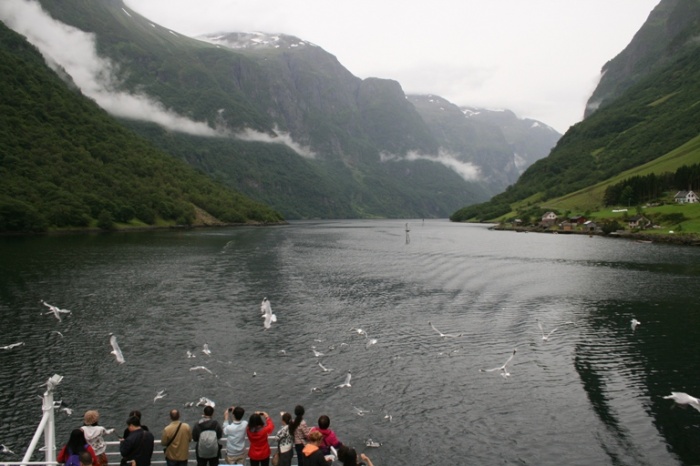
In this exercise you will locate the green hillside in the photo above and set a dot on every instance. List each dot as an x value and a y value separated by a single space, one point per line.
65 163
646 128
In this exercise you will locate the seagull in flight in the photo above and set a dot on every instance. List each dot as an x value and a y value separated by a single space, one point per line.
13 345
503 369
159 395
206 350
116 351
347 381
634 323
372 444
545 336
683 399
56 311
324 368
6 451
204 401
318 354
444 335
360 411
190 354
64 407
267 314
359 331
200 368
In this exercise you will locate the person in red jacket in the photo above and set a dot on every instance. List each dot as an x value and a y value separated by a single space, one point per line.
75 446
260 426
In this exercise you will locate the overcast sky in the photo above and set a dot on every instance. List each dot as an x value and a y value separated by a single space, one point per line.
539 58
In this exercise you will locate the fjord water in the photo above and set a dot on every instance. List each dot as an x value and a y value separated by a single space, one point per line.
591 395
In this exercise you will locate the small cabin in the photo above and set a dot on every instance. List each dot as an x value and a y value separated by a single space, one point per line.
638 222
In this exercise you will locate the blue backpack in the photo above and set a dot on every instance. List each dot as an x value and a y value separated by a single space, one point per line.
73 459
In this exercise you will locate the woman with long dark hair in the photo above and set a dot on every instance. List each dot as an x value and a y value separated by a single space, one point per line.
300 432
70 453
260 426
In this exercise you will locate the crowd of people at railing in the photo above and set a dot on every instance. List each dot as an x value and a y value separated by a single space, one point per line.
245 440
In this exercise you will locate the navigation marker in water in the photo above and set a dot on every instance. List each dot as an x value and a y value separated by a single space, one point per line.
267 314
503 368
444 335
116 351
683 399
347 381
634 323
13 345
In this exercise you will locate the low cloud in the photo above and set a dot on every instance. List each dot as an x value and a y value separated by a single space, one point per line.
73 51
279 137
468 171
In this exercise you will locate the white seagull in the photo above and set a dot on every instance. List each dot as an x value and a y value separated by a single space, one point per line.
267 314
360 411
200 368
206 350
56 311
116 351
545 336
372 444
324 368
190 354
13 345
347 381
503 369
683 399
359 331
634 323
64 407
318 354
6 451
444 335
204 401
159 395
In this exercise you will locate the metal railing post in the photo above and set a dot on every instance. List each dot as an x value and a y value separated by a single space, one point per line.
46 426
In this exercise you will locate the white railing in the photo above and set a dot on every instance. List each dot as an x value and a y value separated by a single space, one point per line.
48 429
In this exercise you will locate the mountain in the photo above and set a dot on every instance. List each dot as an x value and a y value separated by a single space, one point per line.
651 117
281 120
668 29
66 163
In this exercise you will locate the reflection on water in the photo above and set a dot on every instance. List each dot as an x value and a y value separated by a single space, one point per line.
592 394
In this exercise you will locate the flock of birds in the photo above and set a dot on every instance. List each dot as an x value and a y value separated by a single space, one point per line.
680 398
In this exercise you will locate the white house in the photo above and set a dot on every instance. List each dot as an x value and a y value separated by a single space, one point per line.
686 197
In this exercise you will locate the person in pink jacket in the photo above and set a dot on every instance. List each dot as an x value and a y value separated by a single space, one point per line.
260 426
329 438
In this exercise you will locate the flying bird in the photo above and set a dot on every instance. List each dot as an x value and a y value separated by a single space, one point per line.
206 350
347 381
360 411
201 368
204 401
634 323
65 408
372 444
318 354
267 314
6 451
324 368
190 354
503 369
444 335
159 395
359 331
13 345
545 336
56 311
116 351
684 400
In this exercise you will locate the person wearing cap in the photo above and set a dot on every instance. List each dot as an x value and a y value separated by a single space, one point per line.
94 434
137 448
175 440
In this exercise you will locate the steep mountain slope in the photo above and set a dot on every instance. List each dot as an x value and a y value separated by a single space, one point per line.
651 118
334 145
669 27
65 163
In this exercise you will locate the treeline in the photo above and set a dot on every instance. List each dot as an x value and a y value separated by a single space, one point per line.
640 189
65 163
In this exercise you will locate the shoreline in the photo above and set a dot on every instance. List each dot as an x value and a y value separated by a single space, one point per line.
135 229
681 239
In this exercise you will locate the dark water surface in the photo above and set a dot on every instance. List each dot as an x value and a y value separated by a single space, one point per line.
591 395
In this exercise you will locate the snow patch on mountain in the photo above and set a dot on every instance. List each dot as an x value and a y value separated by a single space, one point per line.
255 40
